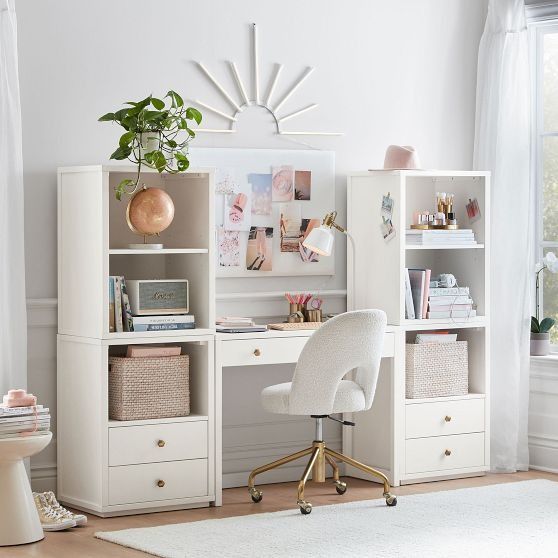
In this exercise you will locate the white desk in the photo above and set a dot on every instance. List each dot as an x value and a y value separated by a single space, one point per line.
272 347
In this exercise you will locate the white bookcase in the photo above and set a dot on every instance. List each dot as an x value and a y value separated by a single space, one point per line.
115 467
422 433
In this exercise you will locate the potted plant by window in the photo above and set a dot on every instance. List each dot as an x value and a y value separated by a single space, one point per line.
540 330
155 135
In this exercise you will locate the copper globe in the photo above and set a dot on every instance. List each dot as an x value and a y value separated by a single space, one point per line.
150 211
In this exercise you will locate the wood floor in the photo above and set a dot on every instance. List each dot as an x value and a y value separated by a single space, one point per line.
80 542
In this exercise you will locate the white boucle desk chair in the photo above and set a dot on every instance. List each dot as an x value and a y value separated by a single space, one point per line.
350 341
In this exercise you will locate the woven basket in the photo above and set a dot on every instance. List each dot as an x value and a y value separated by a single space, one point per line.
436 370
149 387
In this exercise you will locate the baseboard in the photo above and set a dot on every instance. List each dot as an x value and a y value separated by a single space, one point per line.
543 453
43 478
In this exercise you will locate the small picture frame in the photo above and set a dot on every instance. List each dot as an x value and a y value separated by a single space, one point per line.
473 210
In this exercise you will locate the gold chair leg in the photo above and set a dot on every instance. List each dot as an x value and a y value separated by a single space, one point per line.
318 471
391 500
306 507
333 466
257 494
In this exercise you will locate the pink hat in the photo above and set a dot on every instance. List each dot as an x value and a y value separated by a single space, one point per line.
401 157
19 398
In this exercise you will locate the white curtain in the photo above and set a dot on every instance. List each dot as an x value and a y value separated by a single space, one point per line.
13 318
502 145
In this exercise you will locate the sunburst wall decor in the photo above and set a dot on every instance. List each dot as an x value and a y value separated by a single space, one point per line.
266 103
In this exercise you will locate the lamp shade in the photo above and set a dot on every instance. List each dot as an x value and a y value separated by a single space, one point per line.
320 240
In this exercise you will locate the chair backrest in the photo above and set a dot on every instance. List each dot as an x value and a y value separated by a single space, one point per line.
350 341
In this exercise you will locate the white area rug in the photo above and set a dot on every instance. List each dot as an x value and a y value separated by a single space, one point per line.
517 519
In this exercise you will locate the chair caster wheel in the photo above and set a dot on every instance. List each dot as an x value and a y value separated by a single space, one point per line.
341 487
305 507
256 495
391 500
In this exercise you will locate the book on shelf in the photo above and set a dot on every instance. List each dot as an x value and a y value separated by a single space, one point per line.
163 323
23 418
450 307
111 308
241 329
417 278
440 237
452 314
118 322
447 291
126 310
409 306
135 351
441 300
436 337
17 411
164 327
234 321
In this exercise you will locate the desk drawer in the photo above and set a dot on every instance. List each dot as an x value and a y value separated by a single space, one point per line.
157 442
140 483
429 454
246 352
444 418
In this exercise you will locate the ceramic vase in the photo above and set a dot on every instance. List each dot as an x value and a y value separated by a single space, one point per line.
540 344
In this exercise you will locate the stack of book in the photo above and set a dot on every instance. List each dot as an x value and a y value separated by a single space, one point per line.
121 318
440 237
23 421
237 324
425 302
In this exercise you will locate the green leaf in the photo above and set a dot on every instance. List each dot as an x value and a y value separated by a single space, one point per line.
120 114
194 114
171 143
535 328
182 162
121 153
149 115
126 139
121 188
108 117
191 132
159 160
157 103
546 325
175 98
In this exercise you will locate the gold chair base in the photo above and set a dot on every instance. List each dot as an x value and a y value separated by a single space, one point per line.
319 455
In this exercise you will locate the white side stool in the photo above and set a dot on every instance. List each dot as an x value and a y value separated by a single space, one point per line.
19 519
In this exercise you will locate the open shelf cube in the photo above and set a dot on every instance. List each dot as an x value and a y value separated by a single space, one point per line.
94 240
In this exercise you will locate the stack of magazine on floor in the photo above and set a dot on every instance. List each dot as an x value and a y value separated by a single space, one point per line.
423 301
23 421
121 318
235 324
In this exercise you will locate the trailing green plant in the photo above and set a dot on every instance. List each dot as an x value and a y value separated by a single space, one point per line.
157 134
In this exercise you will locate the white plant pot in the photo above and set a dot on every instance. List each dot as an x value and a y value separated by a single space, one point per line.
540 344
149 142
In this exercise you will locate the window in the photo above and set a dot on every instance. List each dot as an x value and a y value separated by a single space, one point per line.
545 43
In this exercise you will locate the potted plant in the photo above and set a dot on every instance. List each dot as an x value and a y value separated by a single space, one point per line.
540 330
156 134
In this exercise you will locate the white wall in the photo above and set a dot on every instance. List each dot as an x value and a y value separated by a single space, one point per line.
401 71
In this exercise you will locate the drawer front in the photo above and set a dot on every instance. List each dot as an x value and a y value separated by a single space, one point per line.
444 418
153 443
246 352
444 453
140 483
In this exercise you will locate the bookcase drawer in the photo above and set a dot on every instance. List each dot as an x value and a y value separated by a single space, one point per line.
444 418
153 443
444 453
246 352
157 481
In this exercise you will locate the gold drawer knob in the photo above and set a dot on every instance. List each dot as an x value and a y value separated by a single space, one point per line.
447 452
447 418
257 352
160 483
161 443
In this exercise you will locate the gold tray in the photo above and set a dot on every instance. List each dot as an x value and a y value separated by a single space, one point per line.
435 227
295 326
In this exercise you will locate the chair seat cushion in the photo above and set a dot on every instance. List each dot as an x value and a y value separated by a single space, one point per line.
349 398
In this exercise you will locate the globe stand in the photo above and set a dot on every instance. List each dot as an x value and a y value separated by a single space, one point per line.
145 245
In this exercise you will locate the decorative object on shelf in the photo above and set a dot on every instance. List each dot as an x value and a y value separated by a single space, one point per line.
149 212
443 218
295 326
257 100
540 330
401 157
158 296
19 398
155 135
149 387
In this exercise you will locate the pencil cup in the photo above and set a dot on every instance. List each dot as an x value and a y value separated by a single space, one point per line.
295 313
313 315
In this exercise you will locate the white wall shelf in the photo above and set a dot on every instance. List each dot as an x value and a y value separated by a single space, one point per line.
119 463
375 279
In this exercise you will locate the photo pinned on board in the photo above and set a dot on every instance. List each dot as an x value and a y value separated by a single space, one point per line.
387 228
228 248
307 255
261 193
473 210
303 184
290 225
237 211
282 184
226 182
259 252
